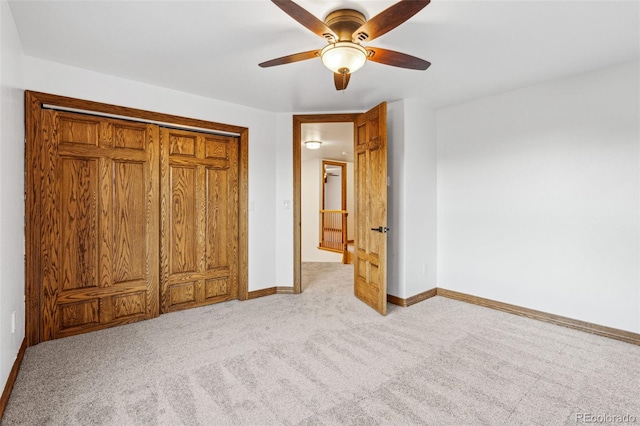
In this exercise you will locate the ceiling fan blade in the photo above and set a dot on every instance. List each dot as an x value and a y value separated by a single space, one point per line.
341 80
306 19
396 59
388 19
296 57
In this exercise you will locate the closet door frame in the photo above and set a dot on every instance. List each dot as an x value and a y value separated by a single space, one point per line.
34 162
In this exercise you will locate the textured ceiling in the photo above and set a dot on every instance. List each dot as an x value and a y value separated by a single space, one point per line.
212 48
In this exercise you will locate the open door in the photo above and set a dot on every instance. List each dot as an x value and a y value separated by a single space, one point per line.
370 265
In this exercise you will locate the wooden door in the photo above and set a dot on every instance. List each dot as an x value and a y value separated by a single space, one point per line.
200 215
99 223
370 266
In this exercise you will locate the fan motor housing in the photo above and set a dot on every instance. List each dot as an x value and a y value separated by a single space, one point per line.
344 22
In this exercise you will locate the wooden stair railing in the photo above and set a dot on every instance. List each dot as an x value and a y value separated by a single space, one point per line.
333 232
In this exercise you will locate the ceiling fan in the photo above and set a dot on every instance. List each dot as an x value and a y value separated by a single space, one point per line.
344 30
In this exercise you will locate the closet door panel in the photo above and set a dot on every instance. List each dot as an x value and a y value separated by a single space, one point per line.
217 217
183 219
99 223
129 222
129 136
78 219
199 236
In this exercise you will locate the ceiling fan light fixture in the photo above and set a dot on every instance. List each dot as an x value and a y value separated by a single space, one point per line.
312 144
343 57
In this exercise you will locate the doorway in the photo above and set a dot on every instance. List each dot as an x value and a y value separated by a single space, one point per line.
370 182
298 135
327 191
336 201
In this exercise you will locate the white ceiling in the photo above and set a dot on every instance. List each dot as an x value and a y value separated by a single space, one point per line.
336 138
212 48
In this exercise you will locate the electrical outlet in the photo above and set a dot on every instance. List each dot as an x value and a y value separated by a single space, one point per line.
286 205
13 322
424 269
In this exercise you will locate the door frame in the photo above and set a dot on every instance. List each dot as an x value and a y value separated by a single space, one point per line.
34 103
298 121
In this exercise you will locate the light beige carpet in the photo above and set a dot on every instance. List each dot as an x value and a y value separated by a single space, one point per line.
323 357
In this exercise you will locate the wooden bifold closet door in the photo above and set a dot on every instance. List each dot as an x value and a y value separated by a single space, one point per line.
99 222
135 220
199 250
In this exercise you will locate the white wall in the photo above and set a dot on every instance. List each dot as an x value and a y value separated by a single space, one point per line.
395 199
412 213
420 199
538 197
11 192
50 77
284 193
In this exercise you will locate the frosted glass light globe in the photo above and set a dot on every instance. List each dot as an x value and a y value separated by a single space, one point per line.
344 57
